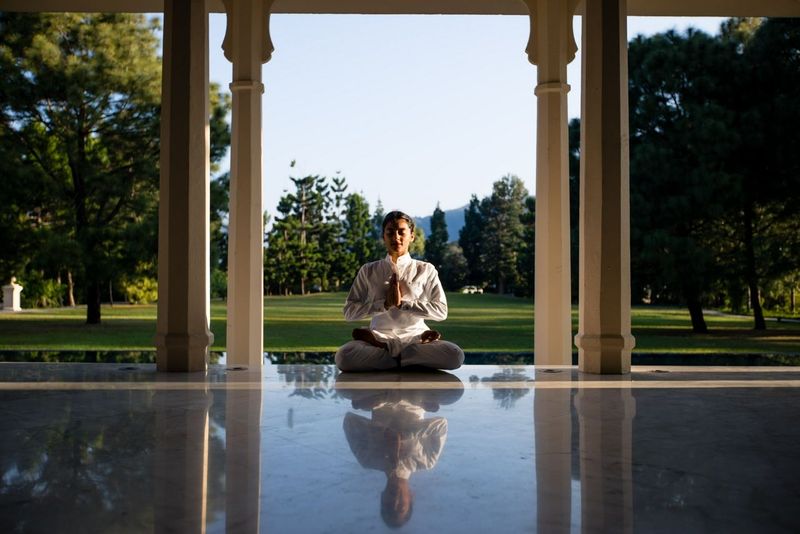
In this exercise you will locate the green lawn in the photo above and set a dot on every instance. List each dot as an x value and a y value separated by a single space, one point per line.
314 323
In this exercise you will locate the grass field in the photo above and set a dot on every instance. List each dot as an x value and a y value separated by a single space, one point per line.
479 323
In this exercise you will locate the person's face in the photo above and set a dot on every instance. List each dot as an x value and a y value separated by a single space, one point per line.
396 501
397 236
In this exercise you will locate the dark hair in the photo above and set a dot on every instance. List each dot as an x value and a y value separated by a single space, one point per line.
390 516
394 216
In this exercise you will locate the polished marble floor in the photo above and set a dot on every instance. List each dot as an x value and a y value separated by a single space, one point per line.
303 448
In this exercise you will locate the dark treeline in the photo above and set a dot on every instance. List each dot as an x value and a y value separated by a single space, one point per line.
715 173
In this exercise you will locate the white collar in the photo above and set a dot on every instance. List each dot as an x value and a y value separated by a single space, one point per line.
402 261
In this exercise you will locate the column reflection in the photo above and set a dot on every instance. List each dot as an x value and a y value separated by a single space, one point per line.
243 451
397 438
605 417
198 482
180 456
604 451
553 431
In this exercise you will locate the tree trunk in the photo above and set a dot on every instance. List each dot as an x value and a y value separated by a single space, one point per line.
758 313
696 313
70 290
93 303
110 294
750 270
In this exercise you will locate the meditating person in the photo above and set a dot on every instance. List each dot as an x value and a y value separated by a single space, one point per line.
398 440
399 293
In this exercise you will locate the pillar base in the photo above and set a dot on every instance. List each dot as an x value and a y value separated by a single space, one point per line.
181 353
605 354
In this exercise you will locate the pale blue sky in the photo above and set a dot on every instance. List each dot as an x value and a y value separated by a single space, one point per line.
413 110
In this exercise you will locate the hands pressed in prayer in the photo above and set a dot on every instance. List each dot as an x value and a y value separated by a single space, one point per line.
393 293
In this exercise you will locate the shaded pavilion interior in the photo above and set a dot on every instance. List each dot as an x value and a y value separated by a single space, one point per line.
248 447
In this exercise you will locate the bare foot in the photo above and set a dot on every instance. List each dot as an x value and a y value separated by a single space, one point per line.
366 335
430 335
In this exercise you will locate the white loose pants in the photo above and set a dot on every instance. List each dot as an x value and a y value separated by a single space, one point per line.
361 356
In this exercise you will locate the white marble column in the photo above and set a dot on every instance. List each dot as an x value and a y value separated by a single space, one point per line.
550 48
247 46
182 332
604 335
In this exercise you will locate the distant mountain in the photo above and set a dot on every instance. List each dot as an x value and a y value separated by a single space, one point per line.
454 219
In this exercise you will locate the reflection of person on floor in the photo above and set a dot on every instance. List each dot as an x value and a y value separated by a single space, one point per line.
398 440
399 293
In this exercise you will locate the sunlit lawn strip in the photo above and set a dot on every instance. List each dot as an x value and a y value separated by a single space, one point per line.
479 323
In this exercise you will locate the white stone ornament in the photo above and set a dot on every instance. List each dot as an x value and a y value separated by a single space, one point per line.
11 294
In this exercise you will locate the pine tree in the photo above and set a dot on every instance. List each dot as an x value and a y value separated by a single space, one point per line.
436 243
502 234
376 232
336 259
358 237
527 252
280 257
469 239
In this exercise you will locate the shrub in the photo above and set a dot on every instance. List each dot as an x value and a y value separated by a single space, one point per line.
40 292
140 290
219 284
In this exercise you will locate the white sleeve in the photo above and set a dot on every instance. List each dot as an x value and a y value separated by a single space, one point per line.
359 302
432 304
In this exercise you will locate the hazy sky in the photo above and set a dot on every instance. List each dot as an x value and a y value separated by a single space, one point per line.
413 110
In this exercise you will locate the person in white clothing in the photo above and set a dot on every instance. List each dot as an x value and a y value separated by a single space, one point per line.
399 293
397 438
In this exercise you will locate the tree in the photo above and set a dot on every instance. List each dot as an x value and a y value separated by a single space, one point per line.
502 234
680 141
714 172
527 252
469 239
80 101
279 256
376 233
574 136
417 248
436 244
337 259
357 233
220 105
218 228
308 204
764 220
79 126
320 237
453 272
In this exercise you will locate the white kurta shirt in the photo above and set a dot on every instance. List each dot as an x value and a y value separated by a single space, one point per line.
398 439
423 298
